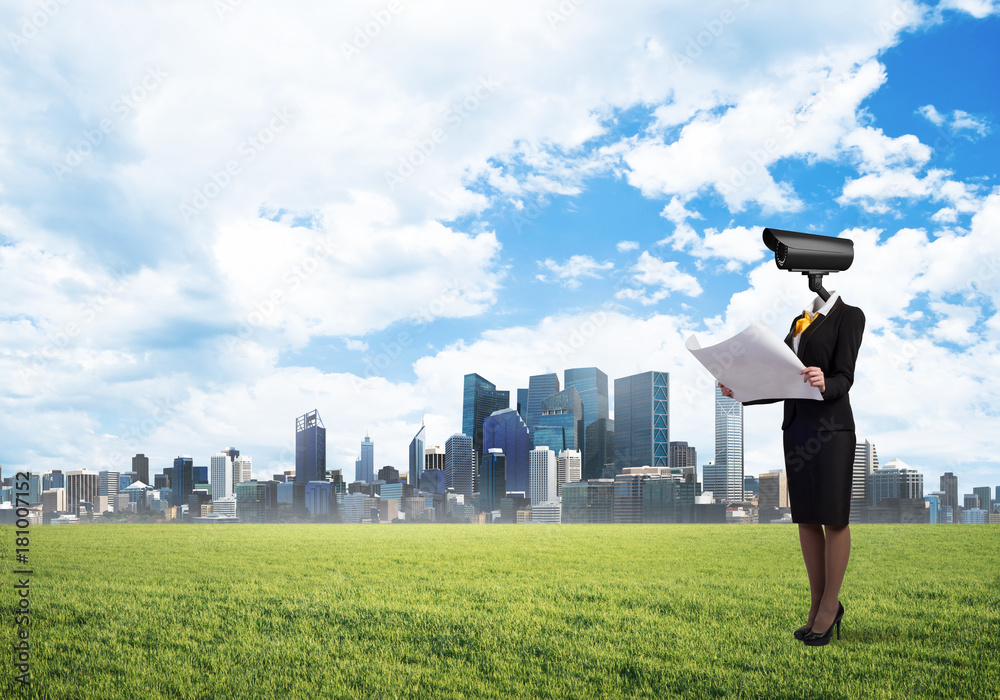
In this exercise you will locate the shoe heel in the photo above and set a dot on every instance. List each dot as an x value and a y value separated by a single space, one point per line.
838 629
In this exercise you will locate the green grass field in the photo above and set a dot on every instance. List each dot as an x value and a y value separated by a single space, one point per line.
467 611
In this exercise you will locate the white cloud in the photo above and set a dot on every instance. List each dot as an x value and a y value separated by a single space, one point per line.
354 344
957 122
977 8
664 277
570 272
875 192
932 115
626 246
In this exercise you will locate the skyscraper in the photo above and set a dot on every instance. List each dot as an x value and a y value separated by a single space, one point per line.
683 456
642 420
522 403
949 484
600 443
182 480
564 409
568 468
773 490
729 444
492 480
242 469
865 462
364 465
480 398
221 476
895 480
543 475
417 457
433 458
108 483
458 464
81 485
540 387
140 465
504 430
310 448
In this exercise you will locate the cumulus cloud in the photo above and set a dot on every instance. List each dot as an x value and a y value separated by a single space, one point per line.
658 279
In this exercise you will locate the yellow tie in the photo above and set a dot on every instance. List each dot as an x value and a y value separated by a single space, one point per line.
803 323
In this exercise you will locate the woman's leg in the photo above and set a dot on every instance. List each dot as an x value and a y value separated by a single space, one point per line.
813 545
838 551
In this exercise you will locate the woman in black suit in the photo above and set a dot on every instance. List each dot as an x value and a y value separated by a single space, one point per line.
819 443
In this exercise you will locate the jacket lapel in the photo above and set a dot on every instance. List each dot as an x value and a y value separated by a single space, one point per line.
808 332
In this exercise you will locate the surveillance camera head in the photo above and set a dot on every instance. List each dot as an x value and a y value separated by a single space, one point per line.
808 253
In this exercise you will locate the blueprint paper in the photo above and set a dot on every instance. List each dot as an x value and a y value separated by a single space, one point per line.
755 364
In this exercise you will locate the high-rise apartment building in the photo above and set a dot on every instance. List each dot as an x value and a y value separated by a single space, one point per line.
458 464
221 476
569 468
865 463
242 469
773 487
81 486
543 475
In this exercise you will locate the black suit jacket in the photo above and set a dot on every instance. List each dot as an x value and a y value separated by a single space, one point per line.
830 343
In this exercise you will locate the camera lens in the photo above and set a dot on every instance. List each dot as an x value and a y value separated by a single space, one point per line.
781 253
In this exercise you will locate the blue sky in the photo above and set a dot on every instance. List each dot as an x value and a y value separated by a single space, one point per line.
221 216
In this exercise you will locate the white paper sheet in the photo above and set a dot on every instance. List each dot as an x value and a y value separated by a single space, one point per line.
756 364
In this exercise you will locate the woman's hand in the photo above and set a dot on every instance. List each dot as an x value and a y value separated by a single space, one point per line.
814 375
726 391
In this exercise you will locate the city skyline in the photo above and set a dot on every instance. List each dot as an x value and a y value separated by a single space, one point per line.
206 233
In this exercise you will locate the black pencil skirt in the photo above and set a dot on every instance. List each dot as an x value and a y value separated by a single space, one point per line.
819 465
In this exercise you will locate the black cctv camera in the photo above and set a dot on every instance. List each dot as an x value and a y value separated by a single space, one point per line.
810 254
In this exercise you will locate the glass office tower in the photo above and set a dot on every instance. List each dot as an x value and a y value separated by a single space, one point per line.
480 398
504 430
310 448
642 420
417 457
492 480
564 409
540 387
729 444
182 481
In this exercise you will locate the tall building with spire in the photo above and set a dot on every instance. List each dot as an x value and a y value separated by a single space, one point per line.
364 465
417 457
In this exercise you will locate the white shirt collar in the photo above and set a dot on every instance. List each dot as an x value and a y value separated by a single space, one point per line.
823 307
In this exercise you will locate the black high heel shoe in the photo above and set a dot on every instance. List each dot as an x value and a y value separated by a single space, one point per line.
805 629
815 639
